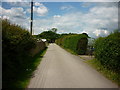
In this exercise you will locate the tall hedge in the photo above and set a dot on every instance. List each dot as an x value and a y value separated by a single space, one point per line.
107 51
16 46
76 43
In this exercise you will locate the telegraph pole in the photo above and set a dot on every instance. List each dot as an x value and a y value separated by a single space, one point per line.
119 16
31 24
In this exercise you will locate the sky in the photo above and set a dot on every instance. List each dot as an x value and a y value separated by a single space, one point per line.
94 18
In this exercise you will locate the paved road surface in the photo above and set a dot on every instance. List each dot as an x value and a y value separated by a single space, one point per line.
60 69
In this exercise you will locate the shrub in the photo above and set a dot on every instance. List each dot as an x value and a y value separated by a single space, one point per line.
16 46
107 51
77 43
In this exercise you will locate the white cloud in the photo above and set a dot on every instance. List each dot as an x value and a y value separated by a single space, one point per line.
39 9
86 4
99 32
99 0
13 12
67 7
17 1
56 16
17 12
11 0
38 4
15 15
19 4
5 17
107 4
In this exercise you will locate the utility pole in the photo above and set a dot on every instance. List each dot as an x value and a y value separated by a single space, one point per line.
31 24
119 16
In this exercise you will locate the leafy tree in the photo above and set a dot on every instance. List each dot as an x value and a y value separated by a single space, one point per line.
51 35
54 30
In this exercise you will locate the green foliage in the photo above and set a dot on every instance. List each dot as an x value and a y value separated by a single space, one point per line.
107 51
49 35
54 30
24 80
76 42
110 74
16 46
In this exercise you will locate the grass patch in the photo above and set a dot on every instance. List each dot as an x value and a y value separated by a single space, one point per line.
28 74
68 50
114 76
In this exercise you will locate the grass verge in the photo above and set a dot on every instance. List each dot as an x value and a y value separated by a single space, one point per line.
68 50
29 73
111 75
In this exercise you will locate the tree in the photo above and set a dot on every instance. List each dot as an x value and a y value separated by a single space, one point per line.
49 35
54 30
85 34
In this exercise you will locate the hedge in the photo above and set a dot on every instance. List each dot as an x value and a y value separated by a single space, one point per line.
16 45
107 51
77 43
39 47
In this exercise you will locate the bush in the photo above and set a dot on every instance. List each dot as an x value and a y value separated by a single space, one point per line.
107 51
77 43
16 46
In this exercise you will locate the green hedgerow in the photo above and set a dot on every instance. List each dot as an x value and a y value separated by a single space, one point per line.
77 43
16 45
107 51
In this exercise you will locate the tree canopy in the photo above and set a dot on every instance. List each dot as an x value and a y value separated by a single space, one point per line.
50 35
